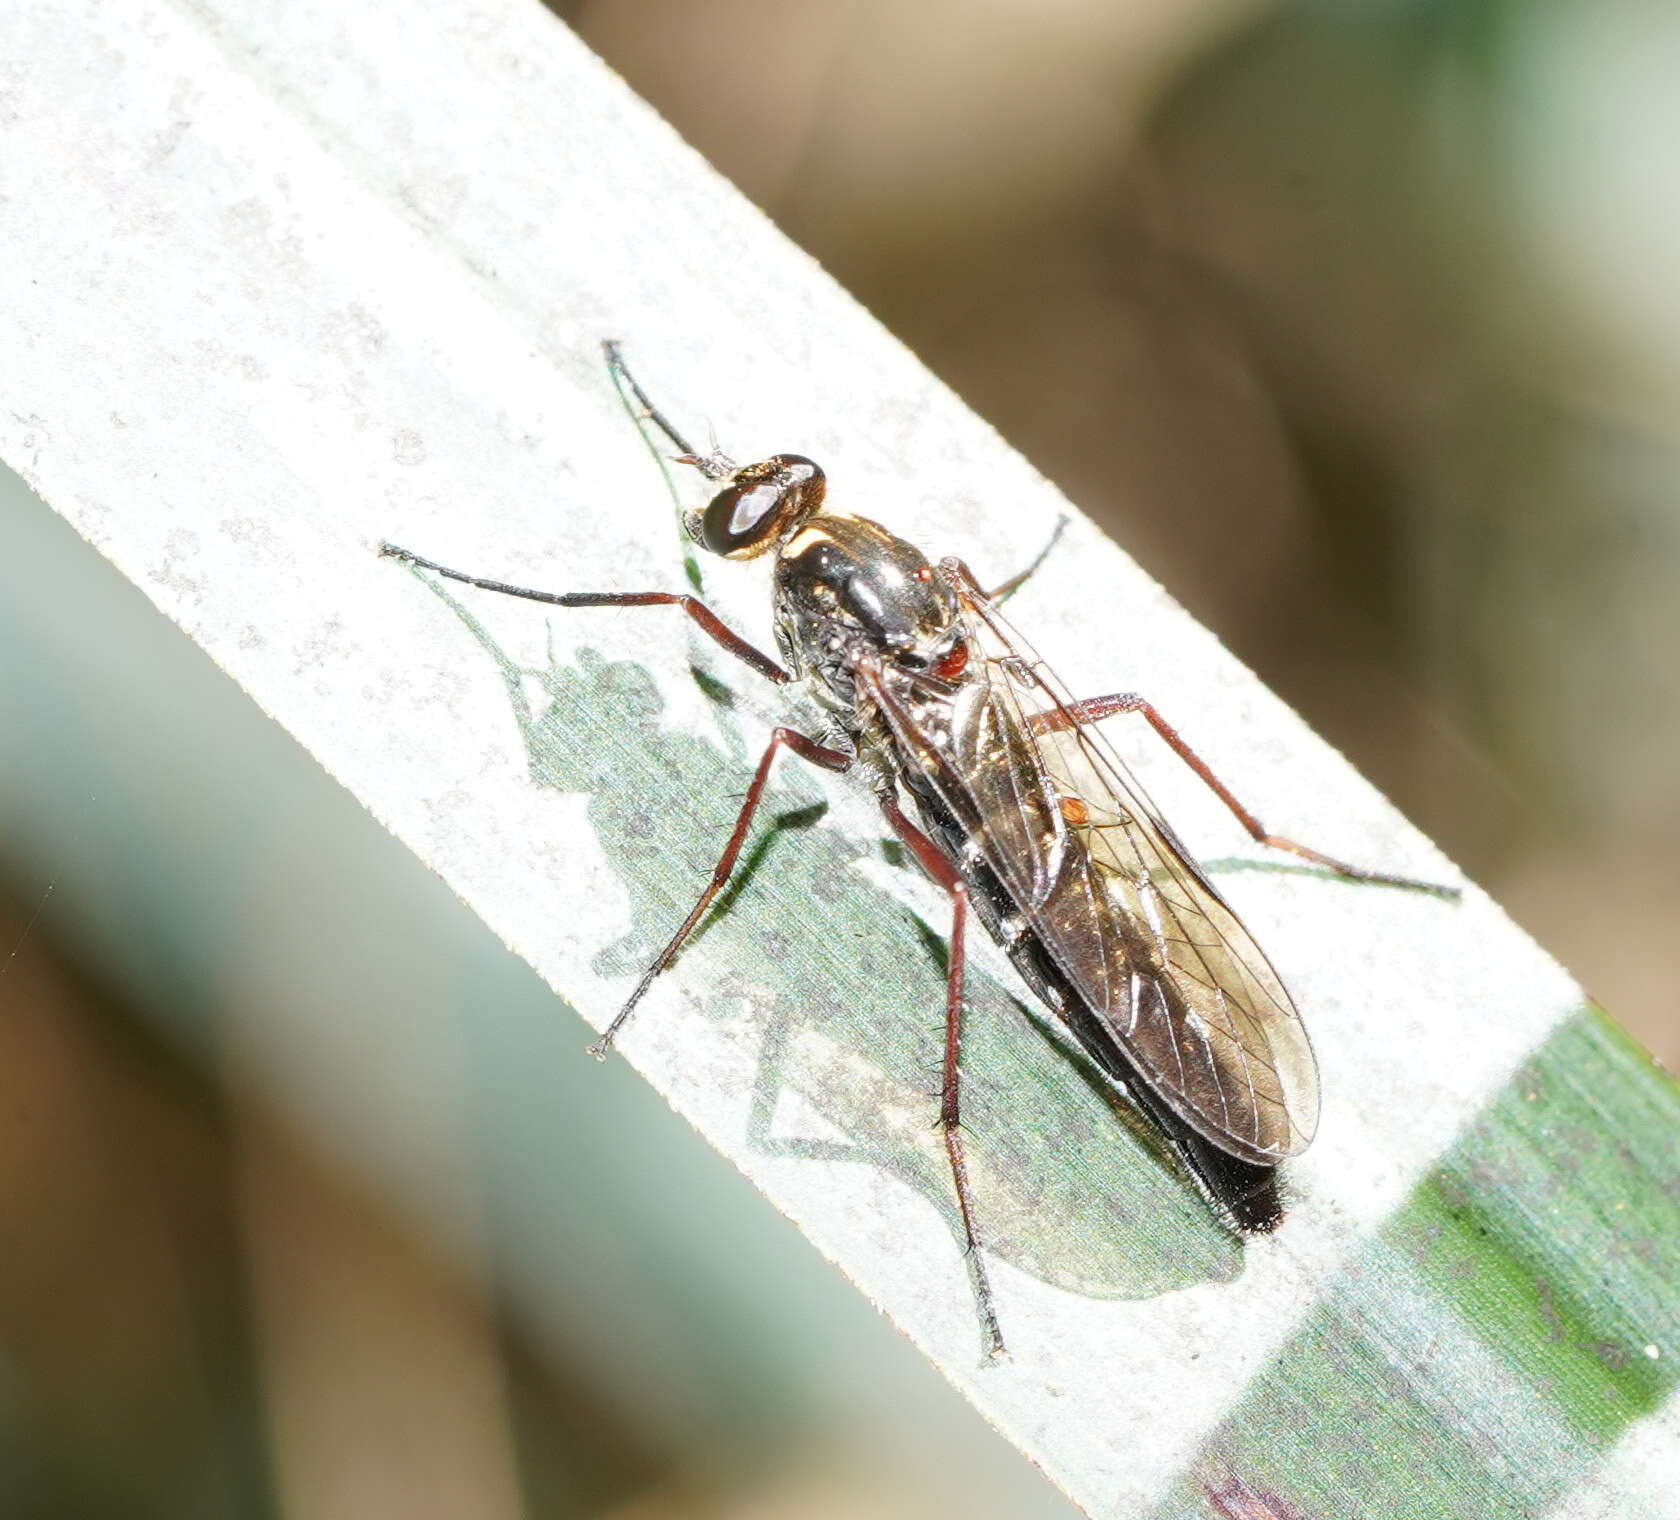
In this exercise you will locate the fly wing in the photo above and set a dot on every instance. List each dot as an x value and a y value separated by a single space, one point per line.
1158 957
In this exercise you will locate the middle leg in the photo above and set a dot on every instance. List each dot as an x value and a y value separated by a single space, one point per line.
806 749
1095 709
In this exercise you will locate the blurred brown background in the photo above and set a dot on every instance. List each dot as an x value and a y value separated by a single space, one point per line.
1357 325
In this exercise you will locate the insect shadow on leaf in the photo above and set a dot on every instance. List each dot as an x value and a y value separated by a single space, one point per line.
997 783
1079 1202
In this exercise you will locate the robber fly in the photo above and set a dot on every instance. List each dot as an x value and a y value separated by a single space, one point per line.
998 785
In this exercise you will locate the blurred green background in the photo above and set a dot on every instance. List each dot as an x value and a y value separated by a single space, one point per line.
1355 323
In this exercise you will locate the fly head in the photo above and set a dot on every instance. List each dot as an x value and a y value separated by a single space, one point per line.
760 507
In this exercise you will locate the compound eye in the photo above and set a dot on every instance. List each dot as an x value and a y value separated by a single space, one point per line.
761 505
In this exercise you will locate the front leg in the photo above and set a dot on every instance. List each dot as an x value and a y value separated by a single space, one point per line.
708 621
1001 593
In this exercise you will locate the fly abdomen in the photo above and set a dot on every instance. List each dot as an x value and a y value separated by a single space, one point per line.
1243 1193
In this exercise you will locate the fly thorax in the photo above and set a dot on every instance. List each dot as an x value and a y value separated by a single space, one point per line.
845 582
